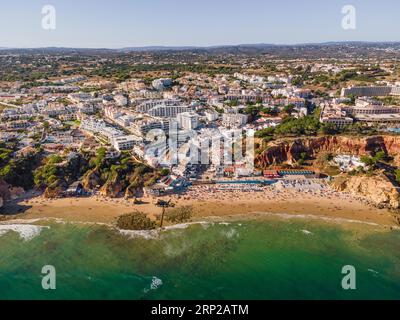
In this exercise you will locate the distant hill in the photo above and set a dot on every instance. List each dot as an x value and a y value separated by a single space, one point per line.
307 50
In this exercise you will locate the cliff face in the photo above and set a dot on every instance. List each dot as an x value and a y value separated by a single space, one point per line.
378 189
112 188
289 151
91 179
4 192
9 193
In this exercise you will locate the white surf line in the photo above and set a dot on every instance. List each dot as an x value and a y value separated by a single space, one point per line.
55 220
316 217
185 225
247 216
155 233
21 221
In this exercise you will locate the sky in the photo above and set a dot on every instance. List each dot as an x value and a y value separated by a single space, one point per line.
133 23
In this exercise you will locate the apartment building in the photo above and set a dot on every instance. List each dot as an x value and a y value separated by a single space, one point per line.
363 111
161 84
335 115
100 127
121 100
188 120
164 111
234 120
122 143
146 106
211 115
141 127
117 138
371 91
17 125
368 106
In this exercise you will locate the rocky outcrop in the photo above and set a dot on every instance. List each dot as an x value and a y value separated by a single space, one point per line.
378 189
16 192
53 193
112 188
7 192
91 179
290 150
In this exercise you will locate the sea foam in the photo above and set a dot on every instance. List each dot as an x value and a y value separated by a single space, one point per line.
155 284
26 231
153 234
146 234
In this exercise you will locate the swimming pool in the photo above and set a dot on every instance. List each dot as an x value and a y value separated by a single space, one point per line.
267 182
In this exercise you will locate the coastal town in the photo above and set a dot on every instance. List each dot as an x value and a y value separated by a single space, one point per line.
123 127
191 159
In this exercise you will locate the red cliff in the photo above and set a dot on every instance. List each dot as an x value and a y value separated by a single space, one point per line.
289 150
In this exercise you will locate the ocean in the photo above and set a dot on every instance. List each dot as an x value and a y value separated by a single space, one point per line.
251 259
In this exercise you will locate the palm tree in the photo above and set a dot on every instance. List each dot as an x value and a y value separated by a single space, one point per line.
163 204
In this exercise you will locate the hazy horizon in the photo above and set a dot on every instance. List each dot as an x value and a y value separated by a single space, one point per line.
211 46
176 23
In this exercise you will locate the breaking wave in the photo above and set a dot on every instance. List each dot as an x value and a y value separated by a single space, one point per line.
26 231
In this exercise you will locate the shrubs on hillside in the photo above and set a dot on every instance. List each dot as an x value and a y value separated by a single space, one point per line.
397 175
124 172
18 170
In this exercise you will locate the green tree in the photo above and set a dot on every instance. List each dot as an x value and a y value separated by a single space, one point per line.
164 172
329 128
397 175
135 221
179 215
289 108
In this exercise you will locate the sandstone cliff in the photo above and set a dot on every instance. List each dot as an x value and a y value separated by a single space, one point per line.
112 188
289 150
91 179
4 192
377 189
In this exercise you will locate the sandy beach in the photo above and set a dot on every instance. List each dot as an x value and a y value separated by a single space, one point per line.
209 203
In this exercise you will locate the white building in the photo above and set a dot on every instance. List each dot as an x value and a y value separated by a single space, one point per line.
234 120
100 127
332 113
121 143
120 100
146 106
211 115
164 111
80 97
141 127
188 120
348 163
161 84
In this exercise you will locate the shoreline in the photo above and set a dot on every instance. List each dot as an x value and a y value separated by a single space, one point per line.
325 205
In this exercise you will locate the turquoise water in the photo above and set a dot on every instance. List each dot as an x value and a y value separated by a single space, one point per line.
260 259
